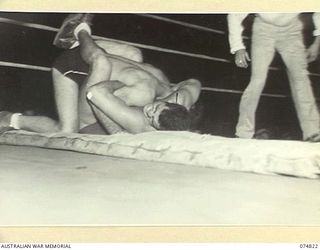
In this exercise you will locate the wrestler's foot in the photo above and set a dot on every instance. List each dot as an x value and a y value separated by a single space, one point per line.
5 117
314 138
66 37
87 18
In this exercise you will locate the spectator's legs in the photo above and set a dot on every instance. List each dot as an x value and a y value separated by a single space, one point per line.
292 50
262 53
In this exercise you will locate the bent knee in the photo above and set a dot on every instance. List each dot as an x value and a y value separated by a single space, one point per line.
99 90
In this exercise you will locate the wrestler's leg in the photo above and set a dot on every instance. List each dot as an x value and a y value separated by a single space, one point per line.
66 93
109 125
66 38
92 120
39 124
100 70
66 97
92 54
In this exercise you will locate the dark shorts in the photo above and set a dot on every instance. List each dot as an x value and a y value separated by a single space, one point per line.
70 64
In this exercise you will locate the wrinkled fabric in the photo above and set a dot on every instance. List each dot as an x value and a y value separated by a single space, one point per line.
296 158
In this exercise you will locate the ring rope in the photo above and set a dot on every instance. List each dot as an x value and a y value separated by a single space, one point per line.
186 24
29 25
48 28
47 69
232 91
155 48
24 66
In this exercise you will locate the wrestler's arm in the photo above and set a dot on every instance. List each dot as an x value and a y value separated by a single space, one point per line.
130 119
185 93
108 124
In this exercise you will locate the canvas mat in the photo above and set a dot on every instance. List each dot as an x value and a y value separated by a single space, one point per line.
301 159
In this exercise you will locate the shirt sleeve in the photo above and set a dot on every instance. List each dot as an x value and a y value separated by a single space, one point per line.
235 31
316 21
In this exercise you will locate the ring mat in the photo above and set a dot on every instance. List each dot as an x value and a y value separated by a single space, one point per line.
293 158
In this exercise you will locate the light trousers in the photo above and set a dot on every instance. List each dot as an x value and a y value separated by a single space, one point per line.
288 42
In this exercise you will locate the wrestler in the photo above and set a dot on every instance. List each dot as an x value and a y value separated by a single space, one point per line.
129 87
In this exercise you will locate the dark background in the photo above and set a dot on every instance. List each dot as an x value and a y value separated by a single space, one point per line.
25 89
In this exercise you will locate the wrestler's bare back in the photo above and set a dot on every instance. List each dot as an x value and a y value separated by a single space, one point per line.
143 83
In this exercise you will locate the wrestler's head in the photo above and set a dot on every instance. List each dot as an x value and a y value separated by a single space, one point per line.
167 116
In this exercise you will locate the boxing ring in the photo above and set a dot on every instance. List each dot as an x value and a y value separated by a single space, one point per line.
155 178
